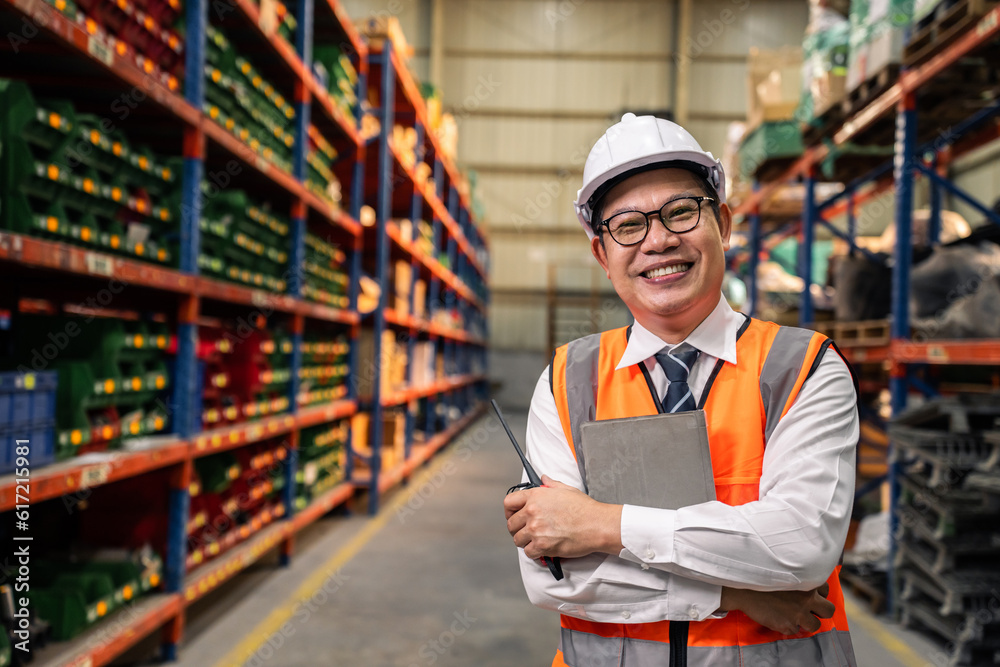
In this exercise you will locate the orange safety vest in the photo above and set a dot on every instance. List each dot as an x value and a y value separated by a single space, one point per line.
773 363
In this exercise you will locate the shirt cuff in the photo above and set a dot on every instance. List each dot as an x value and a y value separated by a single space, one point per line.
647 534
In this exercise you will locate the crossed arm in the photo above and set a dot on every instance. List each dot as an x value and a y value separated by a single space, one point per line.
768 558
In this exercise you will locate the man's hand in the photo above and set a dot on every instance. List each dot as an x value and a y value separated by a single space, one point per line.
559 520
787 612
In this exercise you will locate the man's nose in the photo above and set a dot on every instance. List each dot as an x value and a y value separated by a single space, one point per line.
659 237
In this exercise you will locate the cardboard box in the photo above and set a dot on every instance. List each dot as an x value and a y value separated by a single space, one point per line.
774 84
420 299
403 278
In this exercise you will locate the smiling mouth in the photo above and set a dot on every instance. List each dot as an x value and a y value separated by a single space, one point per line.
666 270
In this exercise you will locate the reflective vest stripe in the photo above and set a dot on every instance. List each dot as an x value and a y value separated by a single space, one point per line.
581 649
581 387
785 371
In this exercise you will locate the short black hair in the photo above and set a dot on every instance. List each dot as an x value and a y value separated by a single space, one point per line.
699 172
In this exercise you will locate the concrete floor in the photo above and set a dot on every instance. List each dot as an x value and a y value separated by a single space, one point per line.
432 581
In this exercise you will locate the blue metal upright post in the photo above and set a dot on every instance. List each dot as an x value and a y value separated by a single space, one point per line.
186 397
906 133
384 212
806 248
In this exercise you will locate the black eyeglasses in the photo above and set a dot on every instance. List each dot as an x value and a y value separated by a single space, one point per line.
677 215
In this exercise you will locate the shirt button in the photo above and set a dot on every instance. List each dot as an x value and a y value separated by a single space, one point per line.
626 615
693 613
644 566
649 553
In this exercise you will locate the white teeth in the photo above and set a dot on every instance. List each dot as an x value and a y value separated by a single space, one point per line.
667 270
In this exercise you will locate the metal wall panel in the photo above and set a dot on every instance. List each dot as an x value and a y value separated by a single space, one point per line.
555 85
516 201
521 261
533 25
733 26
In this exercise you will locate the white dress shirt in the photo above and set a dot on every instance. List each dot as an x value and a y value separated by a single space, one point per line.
675 561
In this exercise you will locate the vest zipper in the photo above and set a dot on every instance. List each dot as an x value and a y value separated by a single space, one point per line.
678 643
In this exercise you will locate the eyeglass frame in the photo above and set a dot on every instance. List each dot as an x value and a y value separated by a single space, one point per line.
649 223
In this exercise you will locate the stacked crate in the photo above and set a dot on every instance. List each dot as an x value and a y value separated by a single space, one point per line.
243 242
334 69
141 31
320 178
949 518
322 461
245 373
325 276
27 419
64 178
71 595
241 100
233 495
113 377
323 375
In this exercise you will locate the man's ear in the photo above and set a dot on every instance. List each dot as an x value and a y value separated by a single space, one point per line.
725 224
597 248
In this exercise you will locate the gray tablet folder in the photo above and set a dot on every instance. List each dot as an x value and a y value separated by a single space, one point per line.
658 461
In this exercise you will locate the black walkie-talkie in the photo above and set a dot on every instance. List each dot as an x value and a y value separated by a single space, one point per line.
534 481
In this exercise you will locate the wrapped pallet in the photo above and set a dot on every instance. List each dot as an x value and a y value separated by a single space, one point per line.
824 66
877 36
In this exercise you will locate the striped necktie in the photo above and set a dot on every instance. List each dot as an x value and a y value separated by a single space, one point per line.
677 364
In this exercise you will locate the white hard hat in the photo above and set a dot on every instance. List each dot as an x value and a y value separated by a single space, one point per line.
636 142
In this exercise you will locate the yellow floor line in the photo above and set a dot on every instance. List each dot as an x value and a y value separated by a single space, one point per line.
281 614
858 616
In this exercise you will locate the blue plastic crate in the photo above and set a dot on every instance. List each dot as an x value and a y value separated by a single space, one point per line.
27 399
41 443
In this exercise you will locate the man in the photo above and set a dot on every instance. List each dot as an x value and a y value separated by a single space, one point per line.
750 578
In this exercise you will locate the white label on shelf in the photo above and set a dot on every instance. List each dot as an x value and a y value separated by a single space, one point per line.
95 475
100 265
100 50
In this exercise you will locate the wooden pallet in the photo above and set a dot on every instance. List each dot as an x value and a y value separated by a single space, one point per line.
855 334
945 24
870 588
869 89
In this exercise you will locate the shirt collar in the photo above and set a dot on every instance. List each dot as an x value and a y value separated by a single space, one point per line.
715 336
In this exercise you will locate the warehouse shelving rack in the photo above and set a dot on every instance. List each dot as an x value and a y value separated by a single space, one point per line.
402 193
55 43
918 150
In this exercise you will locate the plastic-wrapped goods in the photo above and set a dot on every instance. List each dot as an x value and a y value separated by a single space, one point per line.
953 228
878 30
975 315
951 274
864 289
824 66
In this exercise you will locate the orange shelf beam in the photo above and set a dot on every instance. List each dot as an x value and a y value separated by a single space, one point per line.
958 352
72 477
